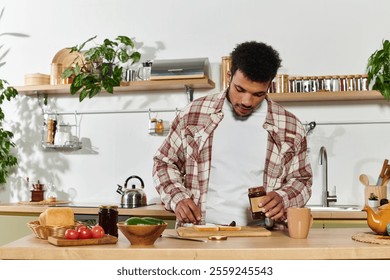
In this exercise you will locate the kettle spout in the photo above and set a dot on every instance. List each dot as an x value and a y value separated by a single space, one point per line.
119 190
373 219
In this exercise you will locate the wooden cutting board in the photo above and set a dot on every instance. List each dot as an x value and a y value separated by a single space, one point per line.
244 232
60 241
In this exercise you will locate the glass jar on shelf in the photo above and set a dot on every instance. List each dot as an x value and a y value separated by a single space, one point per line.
364 82
335 83
328 83
298 84
343 82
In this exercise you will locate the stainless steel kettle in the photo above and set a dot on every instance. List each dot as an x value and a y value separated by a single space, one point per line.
132 197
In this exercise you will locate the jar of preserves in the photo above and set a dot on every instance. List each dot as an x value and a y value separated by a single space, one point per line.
256 195
108 218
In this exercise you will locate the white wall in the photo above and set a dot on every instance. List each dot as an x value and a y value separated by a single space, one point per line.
313 37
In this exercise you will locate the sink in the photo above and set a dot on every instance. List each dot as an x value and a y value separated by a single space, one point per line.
335 208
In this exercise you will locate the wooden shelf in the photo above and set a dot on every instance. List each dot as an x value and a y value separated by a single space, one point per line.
326 96
205 83
180 84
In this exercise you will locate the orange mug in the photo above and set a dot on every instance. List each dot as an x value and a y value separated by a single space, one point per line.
299 221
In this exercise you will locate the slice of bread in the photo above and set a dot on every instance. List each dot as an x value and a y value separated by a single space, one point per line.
207 227
63 216
229 228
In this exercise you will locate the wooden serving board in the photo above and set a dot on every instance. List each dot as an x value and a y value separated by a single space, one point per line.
60 241
244 232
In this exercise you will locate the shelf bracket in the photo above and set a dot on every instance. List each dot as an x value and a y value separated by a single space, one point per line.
190 92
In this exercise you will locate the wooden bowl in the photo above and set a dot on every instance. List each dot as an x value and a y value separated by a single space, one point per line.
141 234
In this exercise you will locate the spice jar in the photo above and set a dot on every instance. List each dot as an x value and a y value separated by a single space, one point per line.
108 218
364 82
160 127
152 125
255 197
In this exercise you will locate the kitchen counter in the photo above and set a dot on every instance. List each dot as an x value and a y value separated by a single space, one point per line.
320 244
154 210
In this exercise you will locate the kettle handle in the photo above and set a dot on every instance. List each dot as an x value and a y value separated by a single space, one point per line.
134 177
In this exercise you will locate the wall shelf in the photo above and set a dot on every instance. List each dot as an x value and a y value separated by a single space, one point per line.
326 96
179 84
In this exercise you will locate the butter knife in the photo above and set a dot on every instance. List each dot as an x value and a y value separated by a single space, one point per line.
183 238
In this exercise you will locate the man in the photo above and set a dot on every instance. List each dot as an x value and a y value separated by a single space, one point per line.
222 144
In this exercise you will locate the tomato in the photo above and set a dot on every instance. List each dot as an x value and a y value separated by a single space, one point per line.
71 234
97 231
85 233
80 227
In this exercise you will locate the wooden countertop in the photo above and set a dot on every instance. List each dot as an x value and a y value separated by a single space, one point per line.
320 244
154 210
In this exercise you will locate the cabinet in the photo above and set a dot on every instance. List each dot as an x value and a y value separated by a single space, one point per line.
339 223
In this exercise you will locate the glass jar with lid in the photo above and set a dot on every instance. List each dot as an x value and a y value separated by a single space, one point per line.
108 218
256 195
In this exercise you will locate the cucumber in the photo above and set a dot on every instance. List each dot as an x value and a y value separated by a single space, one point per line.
144 221
154 220
138 221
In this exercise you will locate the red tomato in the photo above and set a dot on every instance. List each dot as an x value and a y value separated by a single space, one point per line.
71 234
80 227
85 233
97 231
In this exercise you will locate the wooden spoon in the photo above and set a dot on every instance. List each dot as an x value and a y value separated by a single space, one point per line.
364 180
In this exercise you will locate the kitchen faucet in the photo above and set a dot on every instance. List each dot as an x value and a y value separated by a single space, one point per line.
326 198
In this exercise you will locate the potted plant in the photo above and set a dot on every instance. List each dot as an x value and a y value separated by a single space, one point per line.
373 200
7 160
101 66
378 69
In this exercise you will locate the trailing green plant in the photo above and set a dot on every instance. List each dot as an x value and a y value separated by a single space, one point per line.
378 69
7 160
101 66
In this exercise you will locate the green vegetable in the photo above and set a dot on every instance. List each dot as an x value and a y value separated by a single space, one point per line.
154 220
143 221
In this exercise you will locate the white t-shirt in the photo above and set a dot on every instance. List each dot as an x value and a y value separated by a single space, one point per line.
237 163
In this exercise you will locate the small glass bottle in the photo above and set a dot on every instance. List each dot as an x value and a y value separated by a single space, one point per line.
108 218
255 196
160 127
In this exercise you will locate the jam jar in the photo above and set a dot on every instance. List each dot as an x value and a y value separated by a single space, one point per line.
255 196
108 218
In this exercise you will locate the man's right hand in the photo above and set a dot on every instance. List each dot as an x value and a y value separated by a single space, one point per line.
187 211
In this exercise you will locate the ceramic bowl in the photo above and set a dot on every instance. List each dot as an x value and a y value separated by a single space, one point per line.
141 234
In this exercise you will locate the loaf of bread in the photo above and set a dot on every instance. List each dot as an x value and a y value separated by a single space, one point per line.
62 216
205 227
229 228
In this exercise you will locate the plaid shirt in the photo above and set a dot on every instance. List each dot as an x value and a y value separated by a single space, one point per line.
182 164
